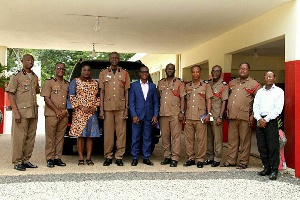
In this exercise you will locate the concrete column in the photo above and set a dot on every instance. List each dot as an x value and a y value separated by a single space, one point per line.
3 55
3 61
292 94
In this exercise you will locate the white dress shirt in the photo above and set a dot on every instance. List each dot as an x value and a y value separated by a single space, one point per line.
268 102
145 88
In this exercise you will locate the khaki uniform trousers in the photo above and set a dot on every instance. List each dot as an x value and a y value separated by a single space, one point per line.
55 132
171 136
195 133
239 134
214 141
114 121
23 138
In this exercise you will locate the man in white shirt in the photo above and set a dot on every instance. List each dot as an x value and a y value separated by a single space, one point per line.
268 105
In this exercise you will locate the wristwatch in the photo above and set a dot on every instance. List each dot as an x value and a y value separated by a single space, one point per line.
182 112
210 114
221 117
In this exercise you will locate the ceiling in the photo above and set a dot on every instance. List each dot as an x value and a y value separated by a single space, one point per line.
149 26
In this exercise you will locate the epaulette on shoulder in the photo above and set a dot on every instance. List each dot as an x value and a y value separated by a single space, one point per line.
224 83
256 80
162 79
49 78
205 81
15 74
66 81
191 82
180 79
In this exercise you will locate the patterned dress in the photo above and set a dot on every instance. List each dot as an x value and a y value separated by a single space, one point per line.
84 93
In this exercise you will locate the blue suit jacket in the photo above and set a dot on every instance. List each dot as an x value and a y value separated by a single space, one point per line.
144 109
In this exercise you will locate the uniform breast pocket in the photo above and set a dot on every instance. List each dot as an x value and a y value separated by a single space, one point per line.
122 81
107 82
24 86
55 89
201 93
188 95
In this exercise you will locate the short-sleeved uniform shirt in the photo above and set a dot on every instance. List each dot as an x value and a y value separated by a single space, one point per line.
57 92
220 94
196 97
240 102
170 94
24 87
114 86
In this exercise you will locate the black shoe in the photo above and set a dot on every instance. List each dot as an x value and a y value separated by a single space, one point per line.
147 162
208 162
119 162
265 172
166 161
200 164
59 162
134 162
20 167
29 165
107 162
173 163
273 175
215 164
189 163
50 163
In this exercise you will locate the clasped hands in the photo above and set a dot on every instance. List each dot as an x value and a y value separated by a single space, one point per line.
262 123
136 120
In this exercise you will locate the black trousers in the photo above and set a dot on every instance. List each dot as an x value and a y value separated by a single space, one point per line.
268 144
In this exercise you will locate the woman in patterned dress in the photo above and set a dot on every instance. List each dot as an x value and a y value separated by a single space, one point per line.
83 92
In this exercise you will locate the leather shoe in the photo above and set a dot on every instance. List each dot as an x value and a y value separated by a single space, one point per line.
107 162
134 162
265 172
173 163
29 165
20 167
273 175
166 161
189 163
208 162
147 162
50 163
59 162
119 162
215 164
200 164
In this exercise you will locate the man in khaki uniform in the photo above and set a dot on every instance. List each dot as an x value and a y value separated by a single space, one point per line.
198 101
214 128
241 118
55 92
172 105
114 83
22 90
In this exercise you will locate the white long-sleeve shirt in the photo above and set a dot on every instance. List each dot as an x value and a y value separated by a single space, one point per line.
268 103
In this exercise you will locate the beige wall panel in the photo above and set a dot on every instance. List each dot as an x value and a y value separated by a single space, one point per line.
259 66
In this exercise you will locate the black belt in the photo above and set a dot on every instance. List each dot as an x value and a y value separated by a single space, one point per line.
263 116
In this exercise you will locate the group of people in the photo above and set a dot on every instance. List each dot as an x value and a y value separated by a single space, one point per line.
200 105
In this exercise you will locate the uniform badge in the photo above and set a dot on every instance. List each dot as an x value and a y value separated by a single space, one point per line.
26 84
55 89
106 82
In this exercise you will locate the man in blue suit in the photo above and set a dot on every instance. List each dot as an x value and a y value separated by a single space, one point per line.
144 108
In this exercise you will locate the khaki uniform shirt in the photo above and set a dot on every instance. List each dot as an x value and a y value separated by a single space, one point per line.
114 86
24 88
220 94
170 94
240 102
58 93
196 99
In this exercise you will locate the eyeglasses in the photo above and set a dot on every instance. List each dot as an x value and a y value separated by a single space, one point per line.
59 68
216 71
144 72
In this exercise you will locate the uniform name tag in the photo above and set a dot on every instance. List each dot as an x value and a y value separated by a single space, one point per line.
108 76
